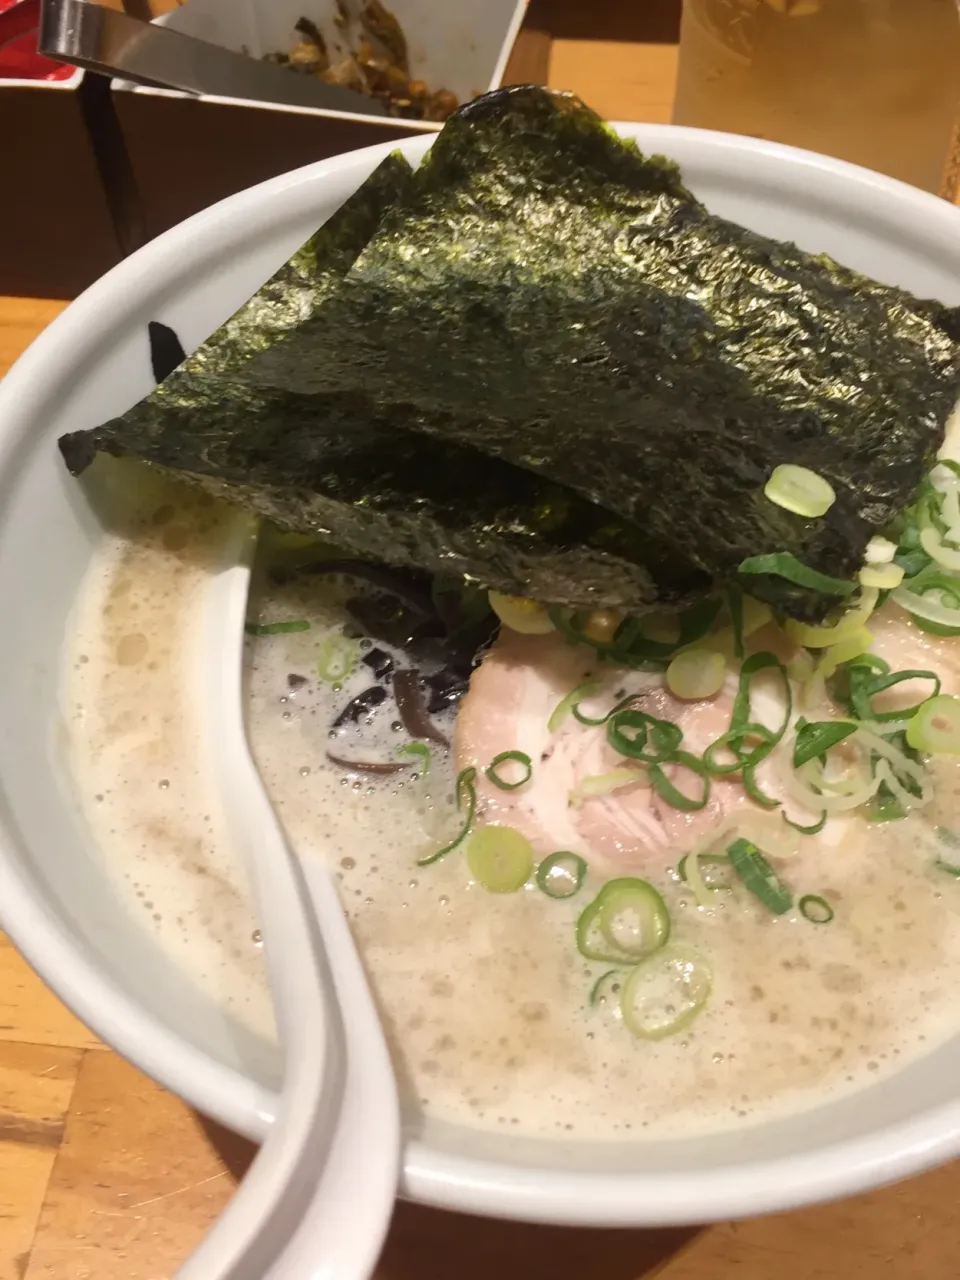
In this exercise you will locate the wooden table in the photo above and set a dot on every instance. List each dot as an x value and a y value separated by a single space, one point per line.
104 1176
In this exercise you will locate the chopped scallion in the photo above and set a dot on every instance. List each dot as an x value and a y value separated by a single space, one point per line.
499 858
466 793
815 738
812 830
935 727
494 770
607 987
853 620
695 674
759 877
747 741
421 751
528 617
625 922
669 791
713 882
800 490
561 874
815 909
783 564
602 784
569 703
665 993
630 731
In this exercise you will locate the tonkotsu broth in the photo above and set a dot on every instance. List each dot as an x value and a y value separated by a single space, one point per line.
485 996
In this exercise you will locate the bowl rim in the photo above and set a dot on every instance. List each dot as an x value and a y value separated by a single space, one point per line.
431 1176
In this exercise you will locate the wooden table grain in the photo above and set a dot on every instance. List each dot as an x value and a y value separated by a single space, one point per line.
105 1176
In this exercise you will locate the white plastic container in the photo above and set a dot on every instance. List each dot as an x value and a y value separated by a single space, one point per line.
187 152
460 45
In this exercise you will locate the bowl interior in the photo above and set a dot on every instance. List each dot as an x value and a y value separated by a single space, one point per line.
56 899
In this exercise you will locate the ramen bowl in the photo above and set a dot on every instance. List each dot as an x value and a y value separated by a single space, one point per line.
60 905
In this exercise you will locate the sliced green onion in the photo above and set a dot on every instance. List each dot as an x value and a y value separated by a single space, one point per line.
855 645
933 544
607 987
800 490
500 858
492 771
276 628
872 676
811 637
949 868
629 730
561 874
813 830
753 789
750 742
783 564
886 577
935 727
815 909
519 614
594 722
466 793
914 601
693 865
421 751
665 993
733 741
602 784
629 648
626 921
815 738
934 628
759 877
568 704
668 791
696 673
337 658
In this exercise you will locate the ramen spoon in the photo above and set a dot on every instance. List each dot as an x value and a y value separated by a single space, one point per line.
317 1200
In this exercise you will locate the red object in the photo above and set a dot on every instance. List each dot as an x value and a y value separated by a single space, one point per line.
19 59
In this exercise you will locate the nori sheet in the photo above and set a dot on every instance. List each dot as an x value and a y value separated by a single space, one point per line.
296 291
545 294
330 465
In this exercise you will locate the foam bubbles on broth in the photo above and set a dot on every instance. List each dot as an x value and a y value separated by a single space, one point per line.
484 996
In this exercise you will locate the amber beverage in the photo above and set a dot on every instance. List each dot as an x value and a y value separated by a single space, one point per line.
876 82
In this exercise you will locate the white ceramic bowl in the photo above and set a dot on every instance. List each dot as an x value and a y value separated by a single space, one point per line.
56 900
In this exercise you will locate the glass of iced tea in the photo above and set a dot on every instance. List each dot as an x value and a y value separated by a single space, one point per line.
876 82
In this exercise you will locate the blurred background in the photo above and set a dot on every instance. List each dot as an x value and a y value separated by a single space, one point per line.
94 168
94 165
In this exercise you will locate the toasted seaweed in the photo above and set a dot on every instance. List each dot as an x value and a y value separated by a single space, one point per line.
330 465
295 292
545 294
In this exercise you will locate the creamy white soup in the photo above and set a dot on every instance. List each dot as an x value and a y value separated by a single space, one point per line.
768 996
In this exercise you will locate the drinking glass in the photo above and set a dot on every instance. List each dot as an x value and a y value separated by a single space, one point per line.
876 82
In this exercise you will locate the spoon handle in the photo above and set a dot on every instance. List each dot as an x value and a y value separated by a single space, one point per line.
342 1232
317 1199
